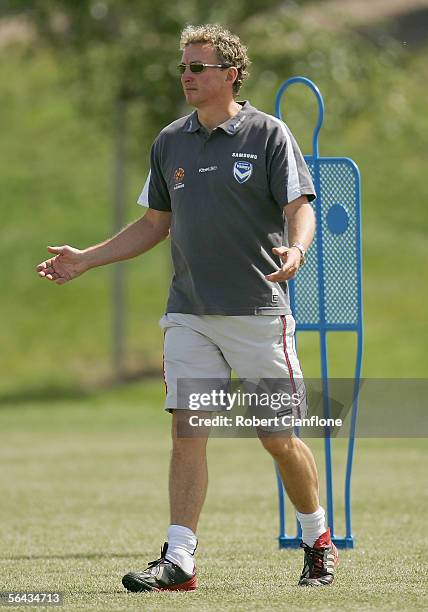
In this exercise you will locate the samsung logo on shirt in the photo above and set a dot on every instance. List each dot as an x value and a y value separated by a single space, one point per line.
246 155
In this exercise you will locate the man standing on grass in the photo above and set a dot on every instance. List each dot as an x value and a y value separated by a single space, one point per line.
222 181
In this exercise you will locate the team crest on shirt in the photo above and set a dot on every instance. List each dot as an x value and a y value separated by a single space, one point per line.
178 178
242 171
179 175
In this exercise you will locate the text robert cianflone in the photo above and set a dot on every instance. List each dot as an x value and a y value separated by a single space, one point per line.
253 421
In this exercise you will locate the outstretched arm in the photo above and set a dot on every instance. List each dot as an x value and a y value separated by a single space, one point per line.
135 239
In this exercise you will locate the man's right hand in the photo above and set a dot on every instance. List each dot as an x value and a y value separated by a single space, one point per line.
67 264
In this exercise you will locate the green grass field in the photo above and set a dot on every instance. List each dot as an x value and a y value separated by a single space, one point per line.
84 500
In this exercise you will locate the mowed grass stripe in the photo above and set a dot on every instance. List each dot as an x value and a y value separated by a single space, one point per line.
84 500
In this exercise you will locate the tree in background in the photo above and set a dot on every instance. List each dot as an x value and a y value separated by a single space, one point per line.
120 58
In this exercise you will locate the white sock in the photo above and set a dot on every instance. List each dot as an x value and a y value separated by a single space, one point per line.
313 525
182 544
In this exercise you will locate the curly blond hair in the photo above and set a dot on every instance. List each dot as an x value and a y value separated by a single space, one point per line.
228 47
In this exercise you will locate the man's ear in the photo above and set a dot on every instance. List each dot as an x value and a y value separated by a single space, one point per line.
232 75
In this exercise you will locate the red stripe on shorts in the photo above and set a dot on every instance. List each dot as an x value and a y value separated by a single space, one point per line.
163 365
284 344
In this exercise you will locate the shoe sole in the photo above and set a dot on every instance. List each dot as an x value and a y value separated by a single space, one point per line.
135 585
316 582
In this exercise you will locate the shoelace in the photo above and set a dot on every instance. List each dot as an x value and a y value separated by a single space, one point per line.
314 562
162 559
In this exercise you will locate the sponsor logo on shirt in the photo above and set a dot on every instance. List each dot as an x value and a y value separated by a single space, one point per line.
242 171
208 169
178 178
246 155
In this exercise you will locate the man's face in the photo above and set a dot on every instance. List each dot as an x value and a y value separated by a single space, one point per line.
208 86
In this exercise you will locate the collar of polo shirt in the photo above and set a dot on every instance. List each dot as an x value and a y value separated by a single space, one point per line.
230 126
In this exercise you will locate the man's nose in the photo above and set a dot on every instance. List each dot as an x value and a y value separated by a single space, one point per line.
187 76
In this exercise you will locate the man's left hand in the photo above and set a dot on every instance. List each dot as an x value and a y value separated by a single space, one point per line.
290 257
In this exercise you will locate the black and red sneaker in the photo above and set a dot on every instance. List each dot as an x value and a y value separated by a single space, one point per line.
160 575
320 562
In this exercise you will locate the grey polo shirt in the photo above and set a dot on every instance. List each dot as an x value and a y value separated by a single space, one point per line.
226 190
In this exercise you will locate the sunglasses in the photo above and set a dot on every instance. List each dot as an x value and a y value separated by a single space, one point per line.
197 67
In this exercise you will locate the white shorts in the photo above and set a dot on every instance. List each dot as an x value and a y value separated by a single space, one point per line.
209 347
